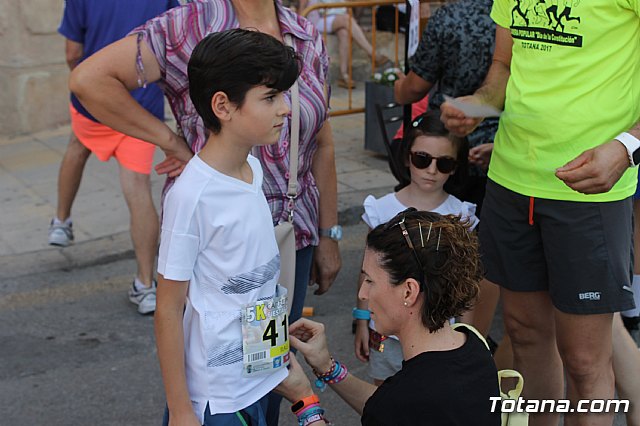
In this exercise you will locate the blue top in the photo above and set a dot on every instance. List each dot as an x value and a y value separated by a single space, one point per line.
98 23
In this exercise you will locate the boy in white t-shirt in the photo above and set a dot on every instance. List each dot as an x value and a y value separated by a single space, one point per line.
221 324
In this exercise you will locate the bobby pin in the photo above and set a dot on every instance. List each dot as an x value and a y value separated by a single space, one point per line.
429 233
421 238
439 235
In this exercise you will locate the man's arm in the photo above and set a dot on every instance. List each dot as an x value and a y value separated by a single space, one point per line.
493 89
102 83
171 296
73 52
410 88
326 257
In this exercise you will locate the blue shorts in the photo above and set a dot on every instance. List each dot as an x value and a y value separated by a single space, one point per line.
253 415
636 196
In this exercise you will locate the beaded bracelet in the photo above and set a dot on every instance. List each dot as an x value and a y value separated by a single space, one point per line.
328 372
336 374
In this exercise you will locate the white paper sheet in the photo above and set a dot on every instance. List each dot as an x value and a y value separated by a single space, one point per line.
472 110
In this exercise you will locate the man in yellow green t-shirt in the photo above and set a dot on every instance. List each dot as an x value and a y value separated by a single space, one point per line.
557 221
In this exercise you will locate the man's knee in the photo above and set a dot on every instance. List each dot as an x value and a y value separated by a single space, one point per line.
584 368
134 183
583 362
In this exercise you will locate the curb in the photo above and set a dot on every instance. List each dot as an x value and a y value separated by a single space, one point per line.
98 251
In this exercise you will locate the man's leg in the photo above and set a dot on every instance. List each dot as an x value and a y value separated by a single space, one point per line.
136 188
528 318
584 342
70 175
626 365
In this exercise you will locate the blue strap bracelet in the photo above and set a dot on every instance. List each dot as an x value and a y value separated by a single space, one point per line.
361 314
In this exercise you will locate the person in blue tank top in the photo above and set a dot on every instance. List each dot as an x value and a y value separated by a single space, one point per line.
88 26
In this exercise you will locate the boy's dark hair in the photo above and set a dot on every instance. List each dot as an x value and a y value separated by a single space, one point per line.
444 259
234 62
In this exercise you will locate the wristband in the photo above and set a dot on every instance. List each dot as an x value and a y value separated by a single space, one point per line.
310 416
632 145
304 402
361 314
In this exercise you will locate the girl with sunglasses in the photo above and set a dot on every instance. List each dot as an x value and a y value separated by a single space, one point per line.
432 157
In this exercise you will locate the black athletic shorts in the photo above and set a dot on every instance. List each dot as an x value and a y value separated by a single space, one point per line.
580 252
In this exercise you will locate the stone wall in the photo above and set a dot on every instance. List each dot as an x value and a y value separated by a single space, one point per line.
33 71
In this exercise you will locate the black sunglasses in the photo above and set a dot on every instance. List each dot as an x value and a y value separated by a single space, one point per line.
422 160
400 219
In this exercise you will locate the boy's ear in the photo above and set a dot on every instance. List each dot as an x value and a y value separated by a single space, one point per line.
221 106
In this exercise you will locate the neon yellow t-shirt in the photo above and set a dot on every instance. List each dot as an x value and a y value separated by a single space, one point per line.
574 85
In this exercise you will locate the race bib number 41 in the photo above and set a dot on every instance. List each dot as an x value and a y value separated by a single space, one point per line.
265 335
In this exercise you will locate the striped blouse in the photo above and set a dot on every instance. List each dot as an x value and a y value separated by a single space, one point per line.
173 36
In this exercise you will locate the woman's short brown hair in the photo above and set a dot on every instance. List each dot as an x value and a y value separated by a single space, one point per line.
444 259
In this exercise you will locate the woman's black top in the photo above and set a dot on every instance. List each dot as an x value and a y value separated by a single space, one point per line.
439 388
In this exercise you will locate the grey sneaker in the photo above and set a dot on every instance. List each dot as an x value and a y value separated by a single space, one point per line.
60 234
145 298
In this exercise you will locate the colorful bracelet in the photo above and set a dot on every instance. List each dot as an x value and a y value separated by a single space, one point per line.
311 415
336 374
361 314
312 419
328 372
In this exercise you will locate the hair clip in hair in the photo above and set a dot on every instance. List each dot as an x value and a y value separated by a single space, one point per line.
421 238
429 233
439 235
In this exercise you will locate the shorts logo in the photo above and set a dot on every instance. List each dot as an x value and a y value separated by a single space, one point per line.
589 295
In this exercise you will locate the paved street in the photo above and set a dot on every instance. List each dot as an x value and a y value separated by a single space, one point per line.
74 350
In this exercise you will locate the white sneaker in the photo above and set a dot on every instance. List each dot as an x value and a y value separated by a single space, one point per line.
145 298
60 234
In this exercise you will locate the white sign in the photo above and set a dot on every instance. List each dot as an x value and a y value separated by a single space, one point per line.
414 26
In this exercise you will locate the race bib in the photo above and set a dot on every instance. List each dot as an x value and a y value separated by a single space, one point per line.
265 335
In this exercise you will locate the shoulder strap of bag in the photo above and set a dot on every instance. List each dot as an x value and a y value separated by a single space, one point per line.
502 374
471 328
292 185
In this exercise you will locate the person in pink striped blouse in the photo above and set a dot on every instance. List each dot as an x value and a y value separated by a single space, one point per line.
159 51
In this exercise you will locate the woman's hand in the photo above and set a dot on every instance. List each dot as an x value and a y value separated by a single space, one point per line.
309 338
177 157
361 340
296 386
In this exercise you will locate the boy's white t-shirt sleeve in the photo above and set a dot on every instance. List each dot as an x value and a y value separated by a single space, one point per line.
179 239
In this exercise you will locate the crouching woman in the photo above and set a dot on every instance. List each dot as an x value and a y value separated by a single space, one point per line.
420 269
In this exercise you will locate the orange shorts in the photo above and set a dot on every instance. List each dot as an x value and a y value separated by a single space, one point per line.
133 154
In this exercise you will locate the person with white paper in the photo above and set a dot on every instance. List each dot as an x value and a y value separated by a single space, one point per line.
557 218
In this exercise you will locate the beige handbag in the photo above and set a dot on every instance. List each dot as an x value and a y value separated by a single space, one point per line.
508 418
285 234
